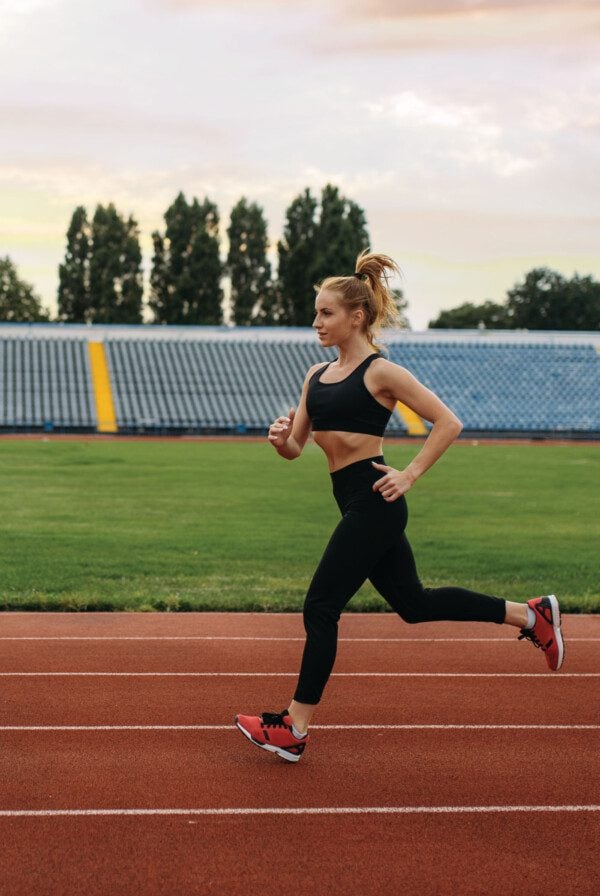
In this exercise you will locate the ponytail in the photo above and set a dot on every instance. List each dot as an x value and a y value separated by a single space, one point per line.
372 293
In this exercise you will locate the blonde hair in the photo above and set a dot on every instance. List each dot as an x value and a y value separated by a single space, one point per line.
372 294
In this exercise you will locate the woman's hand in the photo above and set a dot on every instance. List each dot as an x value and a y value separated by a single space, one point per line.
394 484
281 429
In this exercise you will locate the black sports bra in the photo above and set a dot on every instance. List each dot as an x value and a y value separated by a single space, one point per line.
347 405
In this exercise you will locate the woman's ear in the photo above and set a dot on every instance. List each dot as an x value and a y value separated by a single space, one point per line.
358 317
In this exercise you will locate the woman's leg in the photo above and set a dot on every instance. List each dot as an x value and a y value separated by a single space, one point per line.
395 578
354 548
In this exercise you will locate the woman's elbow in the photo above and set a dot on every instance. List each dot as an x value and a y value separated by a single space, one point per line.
452 423
457 426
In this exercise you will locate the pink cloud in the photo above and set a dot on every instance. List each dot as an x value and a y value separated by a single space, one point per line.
398 9
393 9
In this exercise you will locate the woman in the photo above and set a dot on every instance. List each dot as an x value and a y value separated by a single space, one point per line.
348 403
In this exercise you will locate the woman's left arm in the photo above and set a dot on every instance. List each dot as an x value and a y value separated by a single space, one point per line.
400 384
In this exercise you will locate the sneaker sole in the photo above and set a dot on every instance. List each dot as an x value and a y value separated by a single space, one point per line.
557 632
291 757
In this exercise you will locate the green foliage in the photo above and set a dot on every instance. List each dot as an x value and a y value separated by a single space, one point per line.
18 302
545 300
211 525
186 273
74 303
296 253
489 316
548 301
116 284
252 297
402 306
100 280
314 249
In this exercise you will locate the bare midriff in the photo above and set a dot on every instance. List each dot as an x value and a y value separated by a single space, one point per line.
343 448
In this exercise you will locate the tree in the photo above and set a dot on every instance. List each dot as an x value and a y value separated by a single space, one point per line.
161 289
402 306
116 283
312 250
18 302
187 270
341 235
545 300
296 253
74 303
248 267
489 316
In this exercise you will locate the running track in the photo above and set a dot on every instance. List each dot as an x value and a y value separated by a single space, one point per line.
479 773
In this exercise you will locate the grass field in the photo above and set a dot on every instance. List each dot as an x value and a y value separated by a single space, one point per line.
195 525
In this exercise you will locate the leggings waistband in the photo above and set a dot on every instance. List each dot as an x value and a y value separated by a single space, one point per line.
344 475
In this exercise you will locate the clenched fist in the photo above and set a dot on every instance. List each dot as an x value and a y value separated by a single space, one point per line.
281 429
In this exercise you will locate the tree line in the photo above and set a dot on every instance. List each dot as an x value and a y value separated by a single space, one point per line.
545 300
101 281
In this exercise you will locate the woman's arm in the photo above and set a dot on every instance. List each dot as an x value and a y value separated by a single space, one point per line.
288 435
400 384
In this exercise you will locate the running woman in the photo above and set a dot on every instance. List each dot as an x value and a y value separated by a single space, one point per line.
348 403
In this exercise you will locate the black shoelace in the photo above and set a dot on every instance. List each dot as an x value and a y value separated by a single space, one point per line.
274 719
529 635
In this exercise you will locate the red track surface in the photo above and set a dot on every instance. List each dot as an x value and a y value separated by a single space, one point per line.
491 852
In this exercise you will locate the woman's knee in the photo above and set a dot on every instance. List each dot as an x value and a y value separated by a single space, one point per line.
413 607
319 613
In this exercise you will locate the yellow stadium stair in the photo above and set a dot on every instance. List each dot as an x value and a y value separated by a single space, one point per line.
105 409
412 421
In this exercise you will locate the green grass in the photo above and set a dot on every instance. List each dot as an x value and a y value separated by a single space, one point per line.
154 525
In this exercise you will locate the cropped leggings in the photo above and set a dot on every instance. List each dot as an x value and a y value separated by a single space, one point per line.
369 543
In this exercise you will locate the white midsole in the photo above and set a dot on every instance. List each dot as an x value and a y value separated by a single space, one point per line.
291 757
556 628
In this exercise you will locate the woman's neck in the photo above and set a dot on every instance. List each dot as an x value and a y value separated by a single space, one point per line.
351 355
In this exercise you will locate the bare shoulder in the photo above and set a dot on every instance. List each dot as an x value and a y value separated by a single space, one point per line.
315 367
384 369
386 378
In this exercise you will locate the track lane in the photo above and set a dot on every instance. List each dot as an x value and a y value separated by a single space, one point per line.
224 656
424 855
379 625
117 769
496 854
172 701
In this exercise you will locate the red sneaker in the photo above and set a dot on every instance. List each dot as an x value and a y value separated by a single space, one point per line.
273 732
546 630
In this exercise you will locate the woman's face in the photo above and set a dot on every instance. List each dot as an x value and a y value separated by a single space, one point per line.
332 322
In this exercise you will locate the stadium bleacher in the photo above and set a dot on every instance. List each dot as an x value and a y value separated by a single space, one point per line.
45 384
237 380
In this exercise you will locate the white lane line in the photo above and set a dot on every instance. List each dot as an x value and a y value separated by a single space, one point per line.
506 640
308 810
558 676
232 728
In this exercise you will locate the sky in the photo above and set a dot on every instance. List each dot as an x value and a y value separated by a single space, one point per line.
468 131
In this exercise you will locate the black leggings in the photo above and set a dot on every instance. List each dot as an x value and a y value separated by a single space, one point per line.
369 542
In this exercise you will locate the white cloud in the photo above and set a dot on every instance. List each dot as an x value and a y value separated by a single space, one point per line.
408 108
23 7
475 136
577 109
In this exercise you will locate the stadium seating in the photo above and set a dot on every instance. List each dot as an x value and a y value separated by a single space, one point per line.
178 385
45 384
237 380
511 387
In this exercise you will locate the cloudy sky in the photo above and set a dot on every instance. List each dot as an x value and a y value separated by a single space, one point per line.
469 131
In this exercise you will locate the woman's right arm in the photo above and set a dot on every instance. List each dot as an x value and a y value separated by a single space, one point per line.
288 435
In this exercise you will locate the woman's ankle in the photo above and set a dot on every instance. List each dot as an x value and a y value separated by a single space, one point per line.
301 714
516 614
